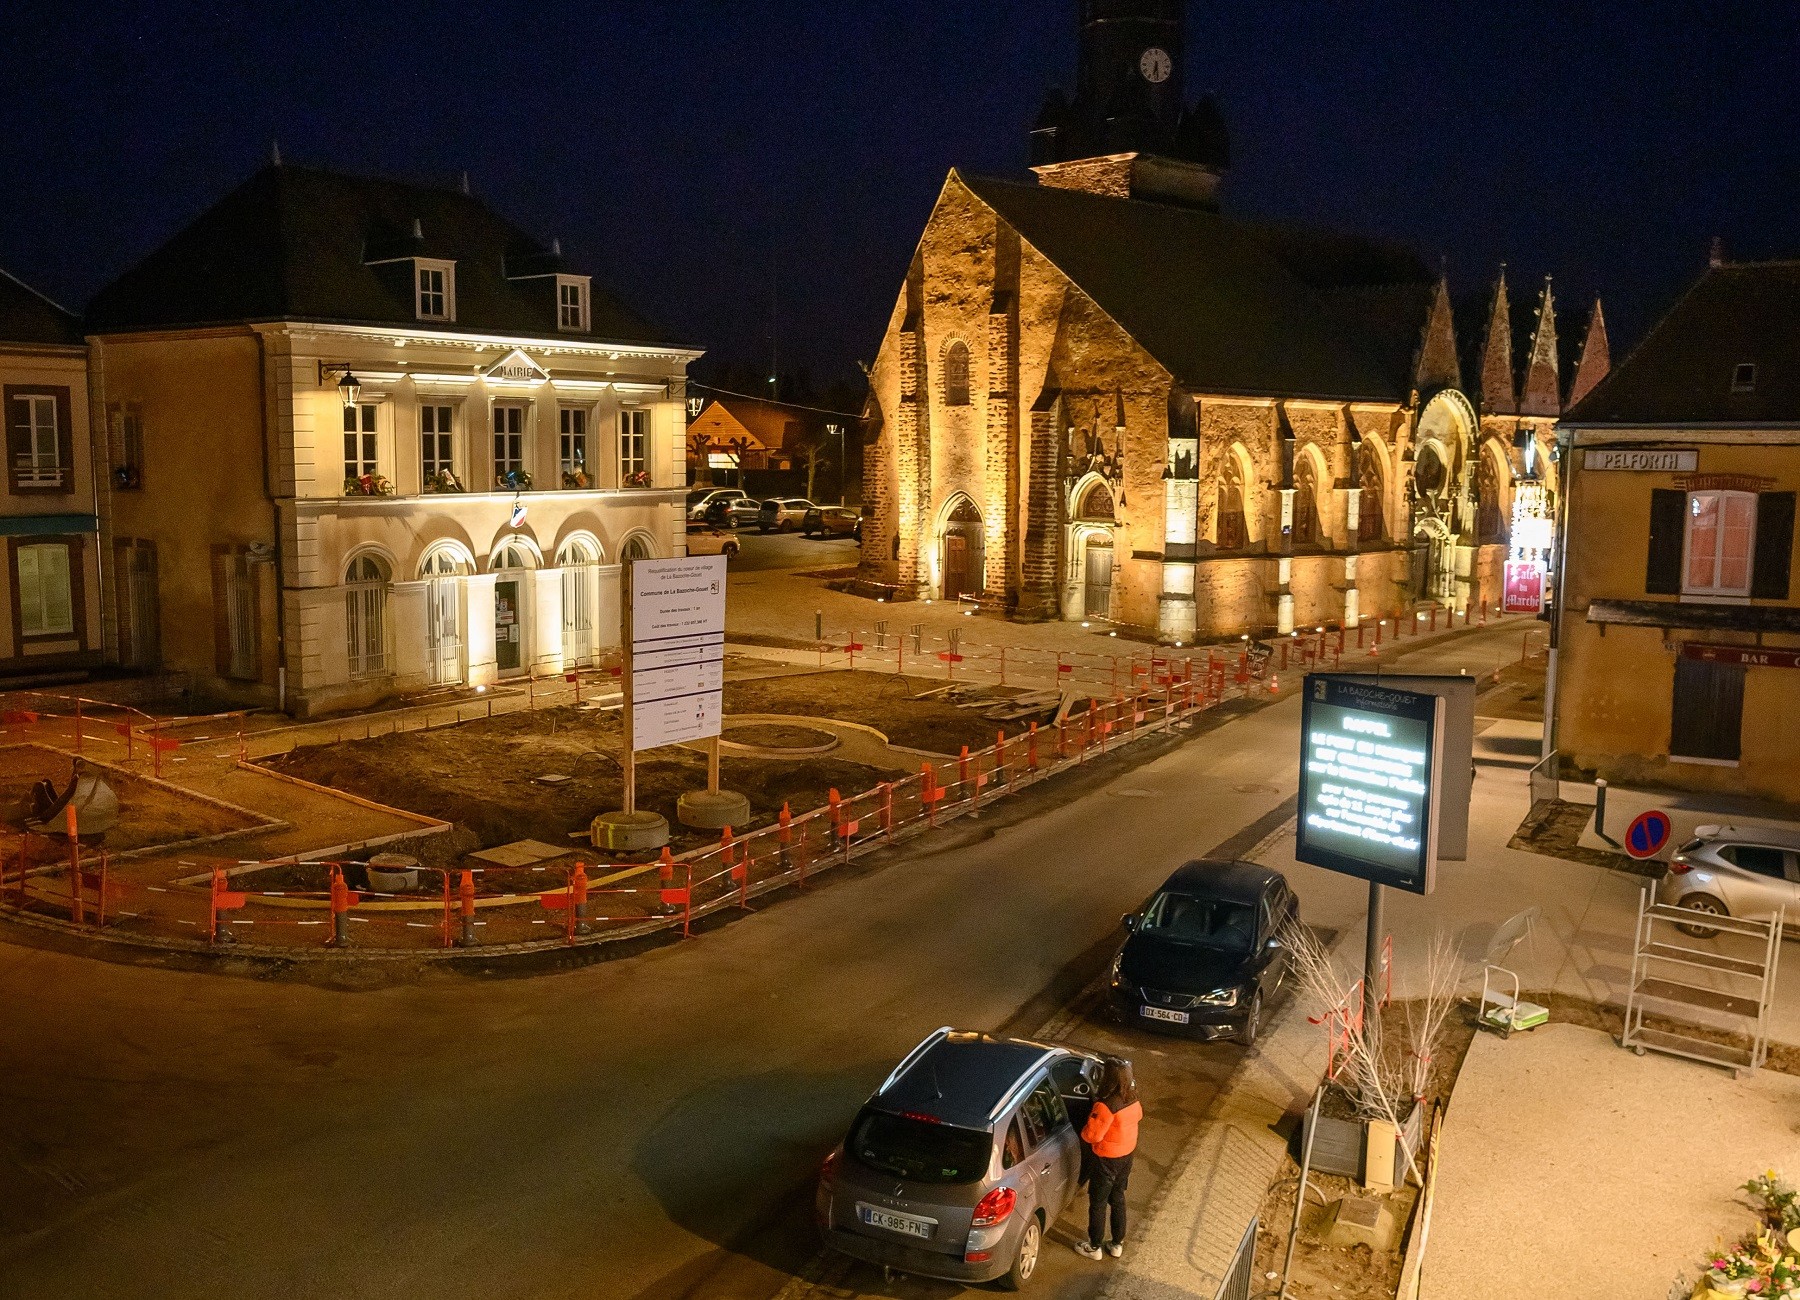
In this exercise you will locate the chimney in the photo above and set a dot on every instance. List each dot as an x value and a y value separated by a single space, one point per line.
1716 257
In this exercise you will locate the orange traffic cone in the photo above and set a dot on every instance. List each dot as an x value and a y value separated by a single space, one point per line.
1274 685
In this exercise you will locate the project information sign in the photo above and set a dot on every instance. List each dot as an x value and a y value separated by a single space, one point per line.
677 650
1369 773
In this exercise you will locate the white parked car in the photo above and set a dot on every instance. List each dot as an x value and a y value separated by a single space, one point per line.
1747 871
710 541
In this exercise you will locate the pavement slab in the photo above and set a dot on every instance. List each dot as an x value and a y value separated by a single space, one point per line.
1572 1167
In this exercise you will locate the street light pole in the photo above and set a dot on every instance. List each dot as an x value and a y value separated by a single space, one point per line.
843 466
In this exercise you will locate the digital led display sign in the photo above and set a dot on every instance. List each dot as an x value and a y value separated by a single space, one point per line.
1369 769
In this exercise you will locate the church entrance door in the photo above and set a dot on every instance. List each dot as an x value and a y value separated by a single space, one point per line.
963 553
1098 599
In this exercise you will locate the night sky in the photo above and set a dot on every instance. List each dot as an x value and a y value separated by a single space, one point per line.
697 155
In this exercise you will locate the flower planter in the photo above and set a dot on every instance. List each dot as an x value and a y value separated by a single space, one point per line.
1341 1146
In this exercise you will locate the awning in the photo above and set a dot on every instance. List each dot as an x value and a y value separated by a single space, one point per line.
1669 613
48 525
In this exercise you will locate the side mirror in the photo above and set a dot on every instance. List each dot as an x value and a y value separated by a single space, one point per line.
1129 920
1275 943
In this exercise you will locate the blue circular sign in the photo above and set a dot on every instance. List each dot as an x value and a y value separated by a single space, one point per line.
1647 835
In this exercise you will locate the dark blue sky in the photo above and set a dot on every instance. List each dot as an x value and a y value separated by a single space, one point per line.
693 152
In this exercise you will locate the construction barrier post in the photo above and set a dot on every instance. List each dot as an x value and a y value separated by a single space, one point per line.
74 864
1031 750
887 809
580 889
466 907
965 790
100 901
740 871
24 864
784 838
77 724
1000 760
928 794
342 900
219 900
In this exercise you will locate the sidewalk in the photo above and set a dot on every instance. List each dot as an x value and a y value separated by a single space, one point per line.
1581 948
1648 1153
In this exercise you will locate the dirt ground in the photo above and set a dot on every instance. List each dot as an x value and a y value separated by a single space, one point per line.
1325 1272
909 711
486 777
149 814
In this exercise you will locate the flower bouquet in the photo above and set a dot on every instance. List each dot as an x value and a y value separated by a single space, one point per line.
575 479
1765 1264
443 481
516 480
368 485
639 479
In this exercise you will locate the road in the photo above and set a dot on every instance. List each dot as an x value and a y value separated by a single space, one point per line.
792 551
644 1127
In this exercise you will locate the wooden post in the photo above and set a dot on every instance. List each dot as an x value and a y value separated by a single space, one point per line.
712 765
628 800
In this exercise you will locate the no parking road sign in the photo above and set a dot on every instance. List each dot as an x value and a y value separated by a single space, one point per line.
1647 835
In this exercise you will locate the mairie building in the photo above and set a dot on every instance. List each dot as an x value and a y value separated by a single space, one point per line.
358 437
1101 398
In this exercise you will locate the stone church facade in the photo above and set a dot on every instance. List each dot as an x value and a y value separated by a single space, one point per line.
1100 399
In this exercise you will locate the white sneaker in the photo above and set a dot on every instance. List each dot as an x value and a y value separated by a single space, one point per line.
1116 1249
1087 1250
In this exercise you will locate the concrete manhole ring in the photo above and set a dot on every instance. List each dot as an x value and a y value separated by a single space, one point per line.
797 738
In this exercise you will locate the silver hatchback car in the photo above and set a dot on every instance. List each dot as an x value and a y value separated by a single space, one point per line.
961 1161
1732 871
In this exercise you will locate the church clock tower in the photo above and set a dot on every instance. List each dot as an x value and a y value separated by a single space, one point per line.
1128 131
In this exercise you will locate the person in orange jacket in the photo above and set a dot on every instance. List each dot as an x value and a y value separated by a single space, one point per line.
1111 1138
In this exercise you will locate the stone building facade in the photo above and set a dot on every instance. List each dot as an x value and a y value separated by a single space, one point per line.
364 438
1098 398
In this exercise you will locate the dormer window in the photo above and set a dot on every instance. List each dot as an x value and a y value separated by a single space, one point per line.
572 303
436 285
1743 379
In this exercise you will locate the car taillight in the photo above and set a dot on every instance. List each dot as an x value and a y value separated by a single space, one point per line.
828 1169
1679 867
994 1207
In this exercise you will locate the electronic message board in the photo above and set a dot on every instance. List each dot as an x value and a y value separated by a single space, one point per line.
1370 763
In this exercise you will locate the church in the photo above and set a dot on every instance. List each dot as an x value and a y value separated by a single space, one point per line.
1102 398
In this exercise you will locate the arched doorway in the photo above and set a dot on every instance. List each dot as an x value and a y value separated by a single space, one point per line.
579 562
511 566
444 572
1095 519
1232 527
366 588
964 546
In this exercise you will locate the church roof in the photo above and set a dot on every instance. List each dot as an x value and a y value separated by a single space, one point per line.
1686 370
26 316
298 243
1230 306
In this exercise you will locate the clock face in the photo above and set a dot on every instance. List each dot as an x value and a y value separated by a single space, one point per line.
1156 65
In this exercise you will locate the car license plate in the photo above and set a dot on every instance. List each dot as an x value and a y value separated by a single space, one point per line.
909 1224
1158 1013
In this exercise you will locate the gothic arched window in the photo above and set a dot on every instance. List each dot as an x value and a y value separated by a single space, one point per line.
1233 534
1371 521
1490 524
956 374
1306 502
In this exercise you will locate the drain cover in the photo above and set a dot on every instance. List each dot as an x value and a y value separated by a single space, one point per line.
1257 789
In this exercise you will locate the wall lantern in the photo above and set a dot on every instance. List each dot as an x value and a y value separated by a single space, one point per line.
350 389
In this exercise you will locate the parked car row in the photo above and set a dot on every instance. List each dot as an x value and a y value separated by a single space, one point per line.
732 508
959 1163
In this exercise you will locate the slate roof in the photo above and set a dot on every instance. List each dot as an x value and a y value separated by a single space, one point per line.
1682 372
26 316
296 243
1229 306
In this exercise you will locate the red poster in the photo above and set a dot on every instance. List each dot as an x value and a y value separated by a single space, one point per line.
1524 587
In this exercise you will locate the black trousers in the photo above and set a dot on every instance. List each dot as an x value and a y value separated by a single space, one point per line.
1107 1180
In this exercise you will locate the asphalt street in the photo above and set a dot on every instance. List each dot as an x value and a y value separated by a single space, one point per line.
764 551
643 1127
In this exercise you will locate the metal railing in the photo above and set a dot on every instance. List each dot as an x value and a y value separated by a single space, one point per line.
1546 783
1238 1277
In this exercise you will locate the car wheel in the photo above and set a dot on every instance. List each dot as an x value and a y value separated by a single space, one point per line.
1025 1262
731 551
762 528
787 525
1246 1036
1707 905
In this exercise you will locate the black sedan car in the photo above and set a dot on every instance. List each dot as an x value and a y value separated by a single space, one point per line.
1205 955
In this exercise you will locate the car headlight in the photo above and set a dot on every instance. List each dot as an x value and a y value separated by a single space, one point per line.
1113 973
1220 998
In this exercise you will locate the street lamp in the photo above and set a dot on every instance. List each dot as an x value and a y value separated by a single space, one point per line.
843 467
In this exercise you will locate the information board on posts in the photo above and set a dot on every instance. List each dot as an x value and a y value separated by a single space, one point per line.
1370 763
677 650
